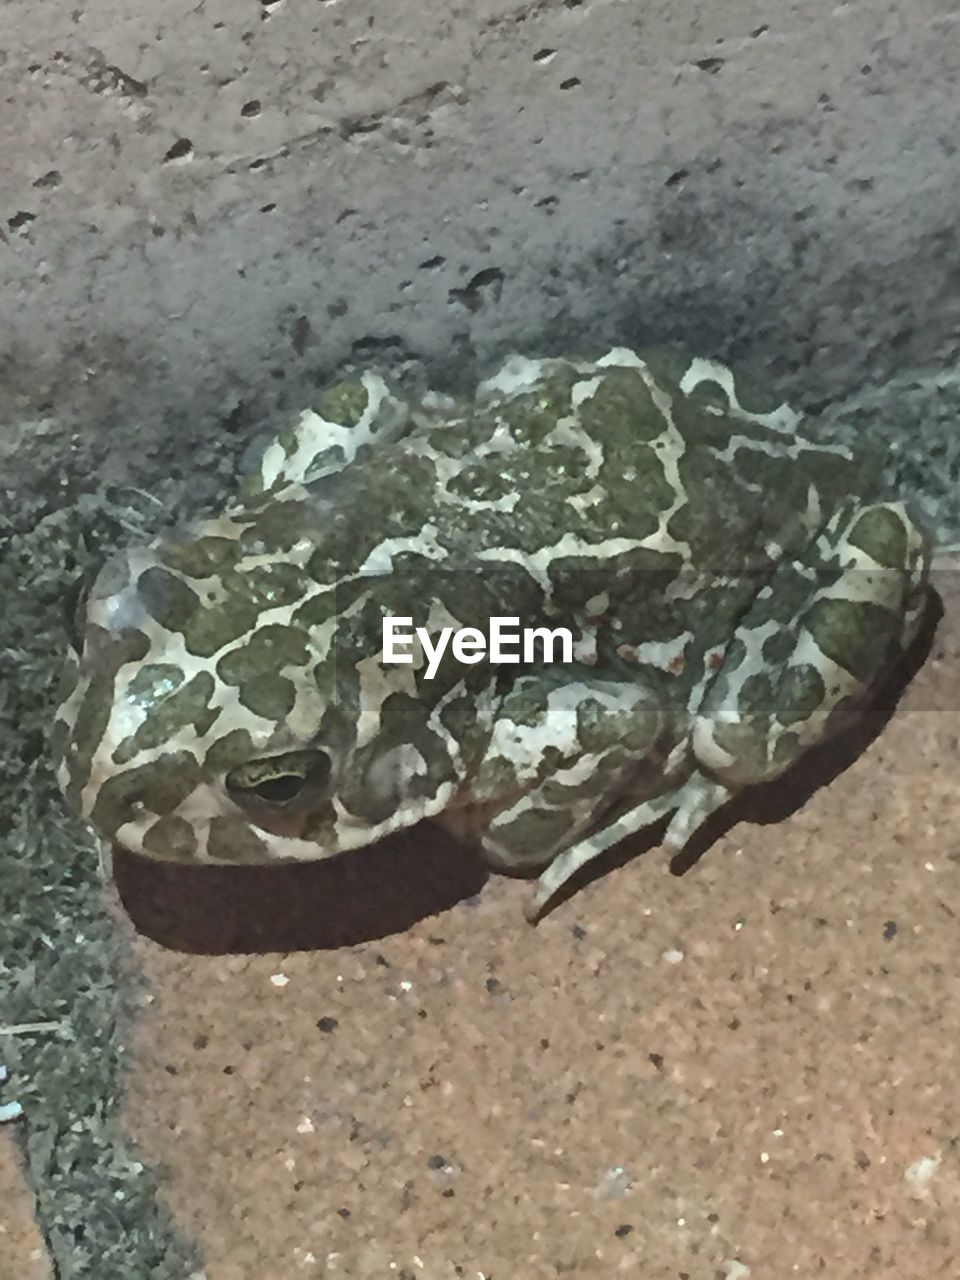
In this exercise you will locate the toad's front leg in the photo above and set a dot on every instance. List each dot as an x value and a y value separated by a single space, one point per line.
566 744
813 647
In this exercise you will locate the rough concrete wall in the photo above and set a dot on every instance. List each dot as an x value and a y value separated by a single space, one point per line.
210 205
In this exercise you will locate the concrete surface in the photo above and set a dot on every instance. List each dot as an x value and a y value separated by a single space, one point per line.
208 206
22 1255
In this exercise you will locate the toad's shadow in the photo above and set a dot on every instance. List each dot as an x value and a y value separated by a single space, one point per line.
371 893
303 906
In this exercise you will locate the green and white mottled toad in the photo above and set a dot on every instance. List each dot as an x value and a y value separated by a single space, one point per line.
733 591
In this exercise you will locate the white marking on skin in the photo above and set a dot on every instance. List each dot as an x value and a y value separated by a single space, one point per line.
783 419
483 713
688 584
581 392
837 679
314 435
568 431
376 685
585 647
440 616
580 501
501 440
568 544
670 447
380 559
621 357
516 374
665 655
402 761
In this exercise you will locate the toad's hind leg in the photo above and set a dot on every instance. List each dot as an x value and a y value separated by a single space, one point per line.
815 643
694 801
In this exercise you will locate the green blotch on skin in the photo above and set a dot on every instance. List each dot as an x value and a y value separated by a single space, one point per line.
276 527
267 652
402 722
96 705
215 625
370 791
525 705
322 827
189 706
494 776
621 412
270 696
458 717
599 728
854 633
452 441
788 747
229 751
778 647
752 392
270 586
559 795
531 415
171 839
289 440
202 558
756 699
717 519
231 840
167 598
382 778
483 481
161 786
412 480
800 691
331 459
251 488
319 609
344 403
881 533
154 681
650 491
535 831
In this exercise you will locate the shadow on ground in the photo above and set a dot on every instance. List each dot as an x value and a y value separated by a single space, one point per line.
370 893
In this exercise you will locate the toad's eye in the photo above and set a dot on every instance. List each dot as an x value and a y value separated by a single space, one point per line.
279 780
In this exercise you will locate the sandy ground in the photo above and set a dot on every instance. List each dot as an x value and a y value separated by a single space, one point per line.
746 1069
22 1255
